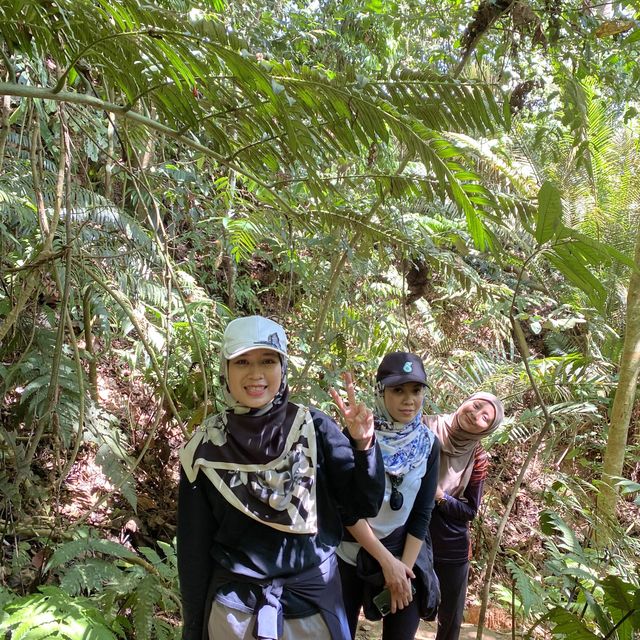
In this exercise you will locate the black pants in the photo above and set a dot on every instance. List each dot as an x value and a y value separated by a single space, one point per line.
453 590
401 625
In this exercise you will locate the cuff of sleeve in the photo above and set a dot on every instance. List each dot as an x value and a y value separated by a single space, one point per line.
353 442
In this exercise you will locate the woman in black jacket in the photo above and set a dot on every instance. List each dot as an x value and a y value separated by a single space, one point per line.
264 486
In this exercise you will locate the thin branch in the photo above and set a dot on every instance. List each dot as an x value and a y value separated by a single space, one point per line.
35 177
353 176
125 304
5 108
337 266
146 92
87 321
430 83
63 78
219 114
627 615
548 421
81 399
41 259
54 390
11 70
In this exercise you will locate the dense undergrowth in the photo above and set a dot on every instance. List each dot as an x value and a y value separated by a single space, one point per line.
94 554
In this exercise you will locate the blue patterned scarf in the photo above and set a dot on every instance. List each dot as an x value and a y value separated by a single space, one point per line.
403 446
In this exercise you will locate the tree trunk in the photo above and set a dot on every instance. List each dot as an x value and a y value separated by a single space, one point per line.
625 395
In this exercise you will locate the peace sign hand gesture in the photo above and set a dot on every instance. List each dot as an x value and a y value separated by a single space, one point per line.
357 416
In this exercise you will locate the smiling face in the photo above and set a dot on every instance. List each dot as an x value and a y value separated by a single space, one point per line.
404 401
254 377
476 416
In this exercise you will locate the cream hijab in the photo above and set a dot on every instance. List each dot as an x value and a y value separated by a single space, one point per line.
458 447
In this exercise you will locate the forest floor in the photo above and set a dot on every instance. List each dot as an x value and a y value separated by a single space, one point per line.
368 630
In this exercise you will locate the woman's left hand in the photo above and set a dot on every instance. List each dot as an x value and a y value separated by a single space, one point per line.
357 416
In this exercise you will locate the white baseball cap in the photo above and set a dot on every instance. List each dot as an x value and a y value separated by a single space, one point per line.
253 332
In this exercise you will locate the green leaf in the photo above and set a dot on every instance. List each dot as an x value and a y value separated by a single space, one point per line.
552 524
623 597
594 251
571 264
634 36
569 626
549 212
506 114
76 549
143 607
54 614
377 6
628 486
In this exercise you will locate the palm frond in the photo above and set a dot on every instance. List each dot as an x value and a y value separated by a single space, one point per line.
208 87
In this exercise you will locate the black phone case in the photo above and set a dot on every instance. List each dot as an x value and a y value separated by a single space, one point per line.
383 602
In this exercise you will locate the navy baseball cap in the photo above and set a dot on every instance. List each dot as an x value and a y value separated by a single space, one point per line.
399 367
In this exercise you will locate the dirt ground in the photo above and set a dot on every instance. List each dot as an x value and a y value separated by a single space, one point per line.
373 631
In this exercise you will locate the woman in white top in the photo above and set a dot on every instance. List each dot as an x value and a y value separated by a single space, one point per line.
391 552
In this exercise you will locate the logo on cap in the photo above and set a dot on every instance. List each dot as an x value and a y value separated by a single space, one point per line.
274 340
408 367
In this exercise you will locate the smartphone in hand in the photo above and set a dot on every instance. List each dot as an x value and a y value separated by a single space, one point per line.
383 600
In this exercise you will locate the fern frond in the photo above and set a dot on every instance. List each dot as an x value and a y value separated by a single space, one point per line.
166 567
33 372
78 549
164 630
89 576
144 600
521 430
117 467
533 597
51 613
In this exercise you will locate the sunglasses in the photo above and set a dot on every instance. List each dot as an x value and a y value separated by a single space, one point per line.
396 500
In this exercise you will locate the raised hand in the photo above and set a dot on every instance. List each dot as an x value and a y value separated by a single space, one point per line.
357 416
